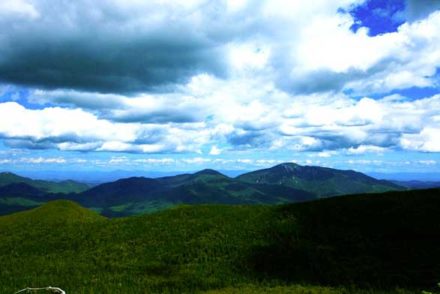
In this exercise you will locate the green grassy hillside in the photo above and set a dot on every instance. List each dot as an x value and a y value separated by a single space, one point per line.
340 245
21 196
60 212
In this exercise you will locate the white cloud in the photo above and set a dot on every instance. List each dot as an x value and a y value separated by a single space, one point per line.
363 126
428 139
40 160
428 162
196 160
118 160
285 64
409 58
324 154
289 44
160 161
299 123
366 162
323 54
366 149
215 150
75 129
19 122
18 8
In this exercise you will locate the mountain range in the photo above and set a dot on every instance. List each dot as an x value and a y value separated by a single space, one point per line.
64 187
418 184
284 183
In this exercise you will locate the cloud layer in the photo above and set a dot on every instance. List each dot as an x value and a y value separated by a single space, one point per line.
309 123
115 46
135 46
214 77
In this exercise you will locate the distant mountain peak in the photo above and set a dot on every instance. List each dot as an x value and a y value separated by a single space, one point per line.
321 181
9 174
209 172
287 167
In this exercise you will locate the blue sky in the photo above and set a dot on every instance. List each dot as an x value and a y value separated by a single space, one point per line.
232 85
379 16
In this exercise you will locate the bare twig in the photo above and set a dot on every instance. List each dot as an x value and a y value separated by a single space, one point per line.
52 289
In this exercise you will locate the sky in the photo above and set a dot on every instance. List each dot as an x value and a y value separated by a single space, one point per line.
181 85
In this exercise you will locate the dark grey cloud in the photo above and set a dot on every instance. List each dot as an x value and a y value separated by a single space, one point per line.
326 80
84 100
84 143
317 81
51 142
150 137
333 141
155 117
105 66
109 46
28 144
156 109
249 139
129 47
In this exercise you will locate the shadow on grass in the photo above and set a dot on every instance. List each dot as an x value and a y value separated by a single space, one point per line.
382 242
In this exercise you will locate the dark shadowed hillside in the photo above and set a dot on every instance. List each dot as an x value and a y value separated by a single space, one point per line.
383 239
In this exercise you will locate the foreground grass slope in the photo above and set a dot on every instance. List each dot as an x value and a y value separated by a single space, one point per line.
382 241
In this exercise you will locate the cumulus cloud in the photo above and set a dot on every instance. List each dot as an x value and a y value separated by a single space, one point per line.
331 57
76 129
366 149
215 77
412 59
39 160
18 9
34 160
306 123
112 45
145 108
117 46
215 150
426 140
365 125
134 46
